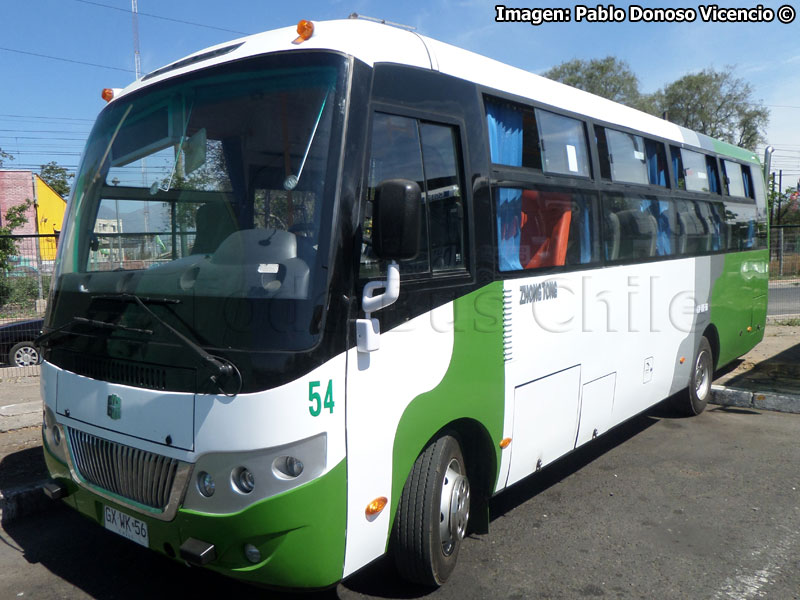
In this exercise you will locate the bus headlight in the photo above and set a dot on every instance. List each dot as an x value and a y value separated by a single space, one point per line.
244 480
53 435
287 467
227 482
206 484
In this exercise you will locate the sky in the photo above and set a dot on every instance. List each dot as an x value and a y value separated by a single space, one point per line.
56 56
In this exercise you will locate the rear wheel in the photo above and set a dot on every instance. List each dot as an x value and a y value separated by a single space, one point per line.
700 380
432 515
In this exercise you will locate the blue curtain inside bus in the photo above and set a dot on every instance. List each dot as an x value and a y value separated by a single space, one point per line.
748 187
656 168
660 210
505 145
713 180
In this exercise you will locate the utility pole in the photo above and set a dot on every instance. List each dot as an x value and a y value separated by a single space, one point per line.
137 60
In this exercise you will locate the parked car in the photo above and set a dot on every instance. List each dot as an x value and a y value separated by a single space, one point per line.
16 342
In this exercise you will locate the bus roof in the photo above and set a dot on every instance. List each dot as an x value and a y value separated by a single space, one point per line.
373 42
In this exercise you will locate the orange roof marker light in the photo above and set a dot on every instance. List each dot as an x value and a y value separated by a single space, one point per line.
305 29
110 93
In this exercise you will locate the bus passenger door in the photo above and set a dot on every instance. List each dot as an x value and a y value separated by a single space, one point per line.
416 339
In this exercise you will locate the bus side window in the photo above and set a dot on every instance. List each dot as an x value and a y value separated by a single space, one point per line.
427 153
445 201
677 168
732 175
632 227
545 228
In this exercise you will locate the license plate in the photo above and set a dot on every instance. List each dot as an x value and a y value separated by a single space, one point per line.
126 526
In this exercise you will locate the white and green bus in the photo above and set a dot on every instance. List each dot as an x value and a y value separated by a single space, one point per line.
319 297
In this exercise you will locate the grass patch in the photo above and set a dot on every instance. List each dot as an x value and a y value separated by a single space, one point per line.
789 322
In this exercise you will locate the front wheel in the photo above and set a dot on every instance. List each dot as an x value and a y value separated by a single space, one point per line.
432 515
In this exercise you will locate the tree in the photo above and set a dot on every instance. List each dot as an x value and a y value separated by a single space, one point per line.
717 104
57 177
784 208
608 77
4 156
14 218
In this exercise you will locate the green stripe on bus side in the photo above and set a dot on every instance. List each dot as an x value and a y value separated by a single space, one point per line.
472 388
734 151
739 301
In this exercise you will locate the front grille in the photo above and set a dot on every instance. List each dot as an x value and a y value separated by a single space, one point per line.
117 371
140 476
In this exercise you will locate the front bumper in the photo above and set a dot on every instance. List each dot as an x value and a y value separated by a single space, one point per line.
300 534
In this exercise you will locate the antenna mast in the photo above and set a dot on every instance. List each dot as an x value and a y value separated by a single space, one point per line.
136 58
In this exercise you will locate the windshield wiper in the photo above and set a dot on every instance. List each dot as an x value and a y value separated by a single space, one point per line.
40 341
222 367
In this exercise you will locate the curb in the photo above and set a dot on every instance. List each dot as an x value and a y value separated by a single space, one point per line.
23 501
725 396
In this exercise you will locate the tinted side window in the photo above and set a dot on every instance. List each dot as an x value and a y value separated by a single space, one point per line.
695 172
513 134
406 148
627 157
638 226
443 197
563 142
733 178
545 227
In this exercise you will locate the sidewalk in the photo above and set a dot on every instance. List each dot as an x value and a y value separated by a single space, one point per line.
22 467
767 378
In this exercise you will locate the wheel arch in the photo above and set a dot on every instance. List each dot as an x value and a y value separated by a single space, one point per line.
480 455
712 335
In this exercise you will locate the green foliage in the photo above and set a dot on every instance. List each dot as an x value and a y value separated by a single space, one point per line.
4 156
608 77
785 207
21 291
57 177
14 218
712 102
717 104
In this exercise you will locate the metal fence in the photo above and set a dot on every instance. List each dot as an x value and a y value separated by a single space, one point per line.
784 273
24 285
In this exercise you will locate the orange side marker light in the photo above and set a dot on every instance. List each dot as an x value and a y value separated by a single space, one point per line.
376 506
505 443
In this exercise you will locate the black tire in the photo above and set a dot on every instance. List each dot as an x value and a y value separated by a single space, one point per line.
24 354
700 378
432 515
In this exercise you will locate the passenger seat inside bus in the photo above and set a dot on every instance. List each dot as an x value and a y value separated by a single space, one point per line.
544 235
215 222
694 235
638 234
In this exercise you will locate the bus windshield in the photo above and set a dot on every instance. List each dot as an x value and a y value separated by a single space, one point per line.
212 194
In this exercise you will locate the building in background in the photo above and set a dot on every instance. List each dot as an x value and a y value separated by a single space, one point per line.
45 216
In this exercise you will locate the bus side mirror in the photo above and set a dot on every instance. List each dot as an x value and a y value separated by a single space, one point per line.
396 216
